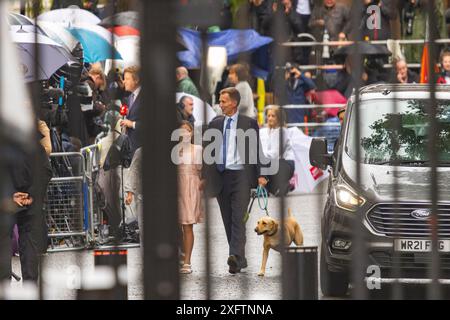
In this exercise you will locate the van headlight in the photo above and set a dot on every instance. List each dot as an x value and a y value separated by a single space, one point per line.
347 199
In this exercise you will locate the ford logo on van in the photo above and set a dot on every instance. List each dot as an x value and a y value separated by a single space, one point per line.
421 214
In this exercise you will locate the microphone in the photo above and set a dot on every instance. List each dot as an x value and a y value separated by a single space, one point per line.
123 112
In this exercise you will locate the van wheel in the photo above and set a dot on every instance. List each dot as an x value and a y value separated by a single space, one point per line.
332 284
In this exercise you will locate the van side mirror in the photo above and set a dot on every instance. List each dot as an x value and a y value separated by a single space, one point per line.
318 154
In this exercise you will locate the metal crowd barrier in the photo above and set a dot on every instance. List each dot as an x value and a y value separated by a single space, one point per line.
72 207
91 155
66 202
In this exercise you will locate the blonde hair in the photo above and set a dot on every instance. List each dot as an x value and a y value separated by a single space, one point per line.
444 53
134 71
279 113
97 71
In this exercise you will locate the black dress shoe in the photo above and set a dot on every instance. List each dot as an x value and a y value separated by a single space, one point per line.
233 264
244 263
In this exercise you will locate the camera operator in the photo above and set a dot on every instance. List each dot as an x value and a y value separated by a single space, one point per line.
297 87
96 81
413 23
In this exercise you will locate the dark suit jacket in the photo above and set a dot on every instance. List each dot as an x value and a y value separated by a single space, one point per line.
134 114
214 182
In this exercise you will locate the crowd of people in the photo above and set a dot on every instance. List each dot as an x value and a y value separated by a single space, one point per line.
324 20
97 117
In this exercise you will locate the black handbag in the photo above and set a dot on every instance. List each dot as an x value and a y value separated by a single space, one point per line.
120 153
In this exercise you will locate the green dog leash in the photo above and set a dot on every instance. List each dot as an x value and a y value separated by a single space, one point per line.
262 195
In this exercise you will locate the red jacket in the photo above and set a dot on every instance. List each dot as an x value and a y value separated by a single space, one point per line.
441 80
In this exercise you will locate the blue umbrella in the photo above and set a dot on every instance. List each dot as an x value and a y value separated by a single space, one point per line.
235 41
96 48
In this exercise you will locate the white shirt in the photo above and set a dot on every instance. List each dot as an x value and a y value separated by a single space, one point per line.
270 141
303 7
246 105
233 159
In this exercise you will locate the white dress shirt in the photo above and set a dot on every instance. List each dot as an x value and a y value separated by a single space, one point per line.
303 7
233 158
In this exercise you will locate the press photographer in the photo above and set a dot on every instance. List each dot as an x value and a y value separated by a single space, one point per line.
298 87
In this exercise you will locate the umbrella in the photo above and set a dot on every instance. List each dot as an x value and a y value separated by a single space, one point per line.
96 47
128 48
51 55
124 31
99 30
16 111
235 41
364 48
19 19
126 18
330 96
19 23
69 16
28 37
59 34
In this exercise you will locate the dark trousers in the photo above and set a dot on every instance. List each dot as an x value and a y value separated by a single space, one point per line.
30 248
233 201
279 183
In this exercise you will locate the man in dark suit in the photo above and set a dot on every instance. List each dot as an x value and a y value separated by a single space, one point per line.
132 122
234 172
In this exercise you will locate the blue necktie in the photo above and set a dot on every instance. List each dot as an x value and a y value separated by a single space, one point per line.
130 101
226 134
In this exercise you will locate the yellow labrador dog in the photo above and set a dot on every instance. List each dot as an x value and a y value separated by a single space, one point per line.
269 227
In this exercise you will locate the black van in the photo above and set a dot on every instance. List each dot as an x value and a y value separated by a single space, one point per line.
393 199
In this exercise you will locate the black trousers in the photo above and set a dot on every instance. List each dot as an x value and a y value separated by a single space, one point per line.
233 202
30 248
279 183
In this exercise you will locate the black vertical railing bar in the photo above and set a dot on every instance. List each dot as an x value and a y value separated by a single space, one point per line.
161 279
397 293
115 261
35 97
279 58
204 86
280 54
3 217
358 262
434 289
203 13
245 59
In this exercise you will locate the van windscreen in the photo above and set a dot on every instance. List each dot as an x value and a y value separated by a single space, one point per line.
388 137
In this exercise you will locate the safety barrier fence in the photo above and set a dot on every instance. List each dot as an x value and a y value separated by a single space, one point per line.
71 207
66 208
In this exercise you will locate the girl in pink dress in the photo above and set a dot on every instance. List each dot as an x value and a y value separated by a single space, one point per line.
190 206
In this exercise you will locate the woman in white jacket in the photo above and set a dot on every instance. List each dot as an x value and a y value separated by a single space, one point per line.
270 140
